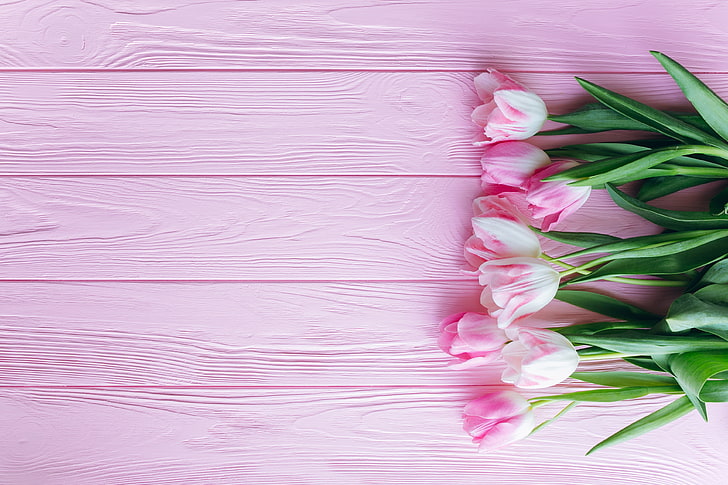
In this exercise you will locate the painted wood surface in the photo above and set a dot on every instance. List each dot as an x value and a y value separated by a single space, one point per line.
311 436
271 122
245 334
362 34
229 229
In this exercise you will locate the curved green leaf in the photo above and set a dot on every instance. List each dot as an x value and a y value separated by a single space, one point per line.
604 395
714 391
718 273
625 379
605 305
645 363
634 166
660 121
708 104
579 239
596 117
637 342
676 220
690 311
661 417
693 369
654 245
654 188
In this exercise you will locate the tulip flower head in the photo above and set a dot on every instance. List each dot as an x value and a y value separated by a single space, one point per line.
516 287
474 338
499 231
511 163
498 419
509 111
553 201
538 358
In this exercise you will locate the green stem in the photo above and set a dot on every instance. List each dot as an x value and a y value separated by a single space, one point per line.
702 172
637 281
557 416
605 356
558 262
580 269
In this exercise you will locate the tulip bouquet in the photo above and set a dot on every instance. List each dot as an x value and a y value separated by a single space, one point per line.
527 191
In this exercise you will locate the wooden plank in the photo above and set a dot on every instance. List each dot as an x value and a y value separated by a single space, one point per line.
353 435
265 123
273 334
254 228
290 228
362 34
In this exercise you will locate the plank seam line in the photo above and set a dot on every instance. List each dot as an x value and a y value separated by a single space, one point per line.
234 175
192 281
382 386
53 70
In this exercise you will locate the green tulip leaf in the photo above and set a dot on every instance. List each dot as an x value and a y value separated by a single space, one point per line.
654 245
640 165
675 263
714 391
594 328
635 342
605 305
693 369
578 239
605 395
717 273
676 220
658 120
675 410
708 104
596 117
625 379
657 187
644 362
690 311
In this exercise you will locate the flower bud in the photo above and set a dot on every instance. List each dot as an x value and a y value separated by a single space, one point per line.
516 287
499 232
474 338
511 163
509 111
554 201
538 358
498 419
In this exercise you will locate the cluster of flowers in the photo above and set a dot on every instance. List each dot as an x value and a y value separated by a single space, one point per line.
505 254
526 192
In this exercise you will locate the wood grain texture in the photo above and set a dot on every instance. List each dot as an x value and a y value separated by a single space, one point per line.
270 123
252 228
309 436
254 334
362 34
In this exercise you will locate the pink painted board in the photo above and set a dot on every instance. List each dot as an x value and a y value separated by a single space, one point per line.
271 122
357 436
253 228
246 334
561 35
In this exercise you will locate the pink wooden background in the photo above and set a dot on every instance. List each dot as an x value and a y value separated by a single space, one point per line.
228 230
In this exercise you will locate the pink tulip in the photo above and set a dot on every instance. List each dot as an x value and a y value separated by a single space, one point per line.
499 232
511 163
474 338
498 419
509 110
538 358
516 287
554 201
